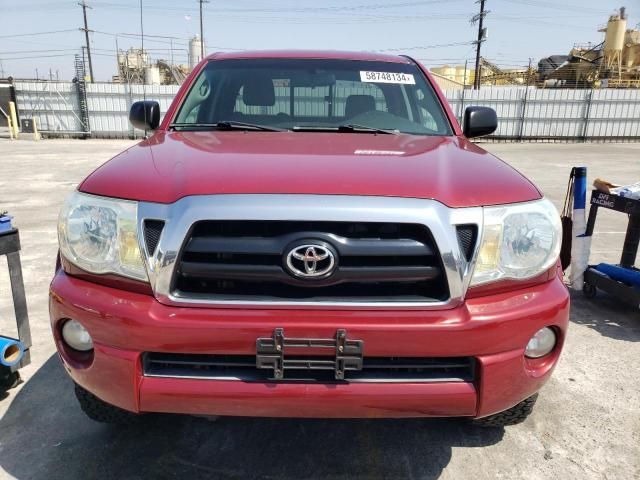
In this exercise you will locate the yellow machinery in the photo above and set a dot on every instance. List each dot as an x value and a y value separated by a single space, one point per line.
614 63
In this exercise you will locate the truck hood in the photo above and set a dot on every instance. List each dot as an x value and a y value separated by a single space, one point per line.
172 165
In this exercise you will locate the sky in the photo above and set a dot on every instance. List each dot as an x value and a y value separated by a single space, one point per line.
44 35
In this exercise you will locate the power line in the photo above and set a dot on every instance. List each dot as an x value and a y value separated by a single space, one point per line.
41 56
38 33
424 47
149 38
19 52
299 9
557 6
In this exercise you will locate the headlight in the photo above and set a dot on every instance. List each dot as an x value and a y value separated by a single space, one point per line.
518 242
100 235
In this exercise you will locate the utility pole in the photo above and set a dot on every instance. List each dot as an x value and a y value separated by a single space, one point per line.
482 35
201 30
84 6
84 63
118 60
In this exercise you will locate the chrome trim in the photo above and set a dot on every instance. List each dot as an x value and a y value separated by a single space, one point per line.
230 378
310 259
181 215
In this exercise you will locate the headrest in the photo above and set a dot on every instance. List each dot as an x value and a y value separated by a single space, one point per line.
258 91
358 104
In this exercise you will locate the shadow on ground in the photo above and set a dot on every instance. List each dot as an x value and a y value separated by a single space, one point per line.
606 315
45 435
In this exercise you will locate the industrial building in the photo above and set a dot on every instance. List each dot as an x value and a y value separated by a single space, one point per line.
136 67
490 74
613 63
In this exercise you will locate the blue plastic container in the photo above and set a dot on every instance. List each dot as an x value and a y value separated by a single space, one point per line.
621 274
11 351
5 223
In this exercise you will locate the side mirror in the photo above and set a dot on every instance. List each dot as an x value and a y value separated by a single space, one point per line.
145 115
479 121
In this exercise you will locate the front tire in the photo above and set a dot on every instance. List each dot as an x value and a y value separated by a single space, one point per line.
102 412
513 416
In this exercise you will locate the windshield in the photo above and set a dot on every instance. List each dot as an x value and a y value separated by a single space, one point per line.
313 95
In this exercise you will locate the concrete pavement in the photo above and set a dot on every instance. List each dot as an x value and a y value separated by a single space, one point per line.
586 423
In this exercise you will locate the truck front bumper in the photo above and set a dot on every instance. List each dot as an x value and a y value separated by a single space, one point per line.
494 330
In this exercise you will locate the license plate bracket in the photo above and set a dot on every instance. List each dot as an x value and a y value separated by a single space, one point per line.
346 354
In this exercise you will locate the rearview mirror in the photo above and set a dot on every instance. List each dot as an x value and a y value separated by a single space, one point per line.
145 115
479 121
315 79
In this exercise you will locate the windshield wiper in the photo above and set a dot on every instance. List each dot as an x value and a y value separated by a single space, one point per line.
355 128
348 128
227 125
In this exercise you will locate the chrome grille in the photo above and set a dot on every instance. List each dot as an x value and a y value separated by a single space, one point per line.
439 220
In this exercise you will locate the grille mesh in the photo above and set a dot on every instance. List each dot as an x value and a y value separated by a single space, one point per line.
467 238
374 369
152 232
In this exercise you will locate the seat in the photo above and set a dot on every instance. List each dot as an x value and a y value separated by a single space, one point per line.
258 91
359 104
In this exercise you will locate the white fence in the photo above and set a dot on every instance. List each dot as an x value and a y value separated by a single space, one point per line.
524 113
57 107
55 104
556 114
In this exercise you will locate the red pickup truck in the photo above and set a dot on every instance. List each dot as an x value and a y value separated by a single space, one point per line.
309 234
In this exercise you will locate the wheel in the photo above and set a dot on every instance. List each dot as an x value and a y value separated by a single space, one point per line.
102 412
8 379
589 290
513 416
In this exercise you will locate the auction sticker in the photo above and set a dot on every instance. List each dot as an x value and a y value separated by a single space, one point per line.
387 77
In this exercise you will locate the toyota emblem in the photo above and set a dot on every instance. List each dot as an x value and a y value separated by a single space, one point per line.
311 261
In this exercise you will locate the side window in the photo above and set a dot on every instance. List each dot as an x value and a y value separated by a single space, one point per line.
192 117
199 98
426 118
364 96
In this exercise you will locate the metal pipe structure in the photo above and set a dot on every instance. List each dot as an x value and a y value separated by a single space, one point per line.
14 119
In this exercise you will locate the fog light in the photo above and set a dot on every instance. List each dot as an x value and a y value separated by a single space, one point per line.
541 343
76 336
